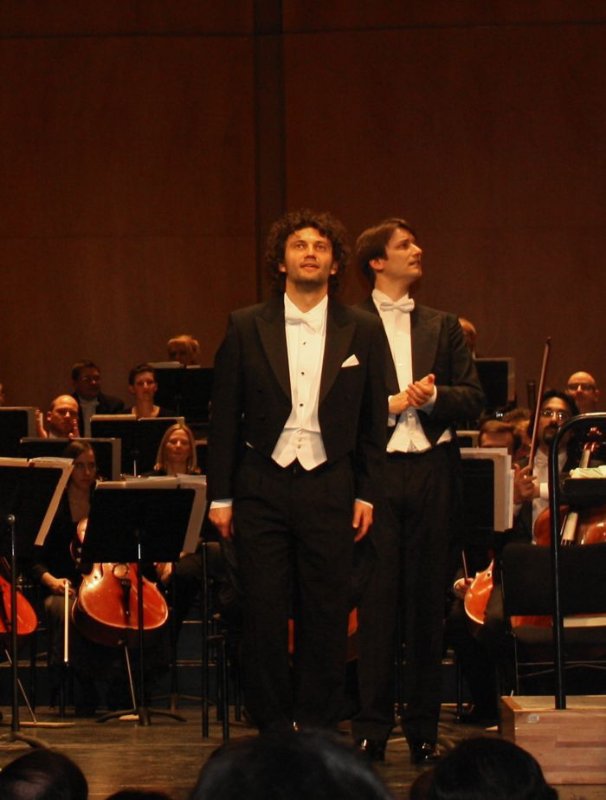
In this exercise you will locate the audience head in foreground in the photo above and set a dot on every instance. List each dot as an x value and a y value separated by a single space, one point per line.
288 766
486 768
43 774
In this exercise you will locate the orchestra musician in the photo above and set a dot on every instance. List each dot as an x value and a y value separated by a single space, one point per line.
296 447
432 383
86 380
55 568
61 419
480 648
583 389
142 385
185 349
177 456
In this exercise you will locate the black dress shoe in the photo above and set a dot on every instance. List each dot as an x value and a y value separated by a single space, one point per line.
373 749
423 752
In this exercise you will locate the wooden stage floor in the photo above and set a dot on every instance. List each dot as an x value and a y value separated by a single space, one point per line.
167 754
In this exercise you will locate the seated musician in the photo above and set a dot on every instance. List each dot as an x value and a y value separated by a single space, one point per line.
86 380
184 349
61 419
142 384
479 647
55 568
177 456
583 389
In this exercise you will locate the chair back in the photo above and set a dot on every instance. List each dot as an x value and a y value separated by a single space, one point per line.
527 579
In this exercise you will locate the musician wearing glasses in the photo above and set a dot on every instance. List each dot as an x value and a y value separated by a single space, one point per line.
480 648
531 490
432 382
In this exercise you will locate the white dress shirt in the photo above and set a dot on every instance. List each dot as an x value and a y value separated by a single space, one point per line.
408 435
305 340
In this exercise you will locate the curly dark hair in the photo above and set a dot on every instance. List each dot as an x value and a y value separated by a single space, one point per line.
321 221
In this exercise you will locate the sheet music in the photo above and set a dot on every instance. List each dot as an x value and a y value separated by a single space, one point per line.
503 482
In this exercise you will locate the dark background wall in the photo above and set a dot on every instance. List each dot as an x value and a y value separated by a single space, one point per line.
146 146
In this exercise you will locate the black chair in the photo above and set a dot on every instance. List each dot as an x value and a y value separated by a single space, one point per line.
527 584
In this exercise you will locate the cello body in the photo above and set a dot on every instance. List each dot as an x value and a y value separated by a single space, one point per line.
106 609
27 621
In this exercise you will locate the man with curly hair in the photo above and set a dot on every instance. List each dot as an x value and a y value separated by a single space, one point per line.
296 446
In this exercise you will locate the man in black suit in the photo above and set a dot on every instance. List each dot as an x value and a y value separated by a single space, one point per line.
86 379
296 449
432 382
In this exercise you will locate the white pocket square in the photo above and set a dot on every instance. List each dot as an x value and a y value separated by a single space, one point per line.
352 361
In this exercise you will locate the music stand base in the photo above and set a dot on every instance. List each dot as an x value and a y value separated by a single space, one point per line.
143 715
13 738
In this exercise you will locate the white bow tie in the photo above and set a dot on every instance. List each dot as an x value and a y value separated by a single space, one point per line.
299 318
406 306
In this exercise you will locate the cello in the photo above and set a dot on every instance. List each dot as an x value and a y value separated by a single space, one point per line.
106 607
27 621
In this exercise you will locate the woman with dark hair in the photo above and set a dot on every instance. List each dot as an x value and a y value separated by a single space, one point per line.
143 385
55 568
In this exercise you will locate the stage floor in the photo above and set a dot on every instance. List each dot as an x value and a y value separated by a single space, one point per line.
167 755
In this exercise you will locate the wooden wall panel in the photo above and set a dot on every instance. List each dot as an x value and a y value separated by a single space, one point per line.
341 15
490 140
136 154
125 17
127 201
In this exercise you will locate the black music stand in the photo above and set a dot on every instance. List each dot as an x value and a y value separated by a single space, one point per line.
186 389
128 525
29 497
15 422
107 452
140 438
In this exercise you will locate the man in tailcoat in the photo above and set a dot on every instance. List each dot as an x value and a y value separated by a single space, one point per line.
432 382
296 449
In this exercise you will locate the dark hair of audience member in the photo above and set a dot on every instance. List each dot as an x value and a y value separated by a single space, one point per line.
138 794
486 768
288 766
43 774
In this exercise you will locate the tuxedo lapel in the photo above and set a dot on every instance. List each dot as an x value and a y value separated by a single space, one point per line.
424 333
391 376
339 334
271 328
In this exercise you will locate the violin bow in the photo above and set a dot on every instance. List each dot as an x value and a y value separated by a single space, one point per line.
537 410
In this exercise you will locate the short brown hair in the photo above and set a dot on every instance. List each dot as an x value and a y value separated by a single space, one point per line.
372 242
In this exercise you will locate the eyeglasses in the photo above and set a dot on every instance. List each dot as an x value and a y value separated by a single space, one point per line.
584 387
549 413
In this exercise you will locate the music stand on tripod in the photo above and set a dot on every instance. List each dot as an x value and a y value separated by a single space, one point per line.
29 497
143 521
